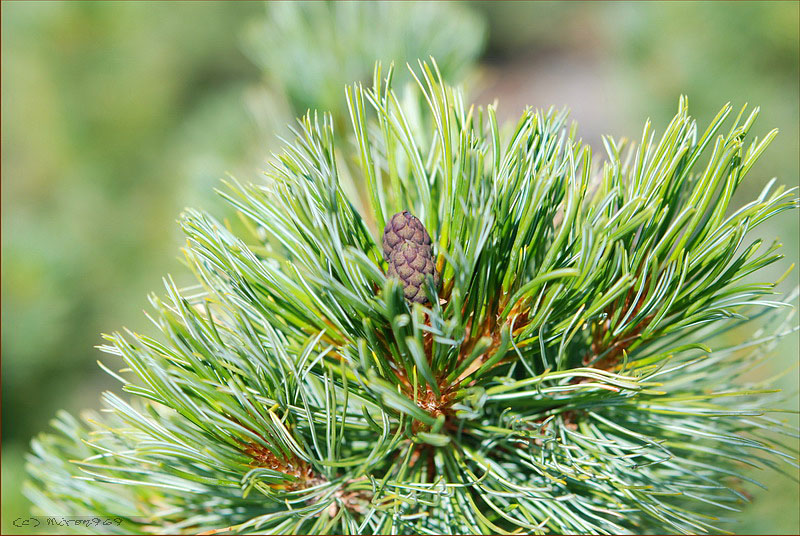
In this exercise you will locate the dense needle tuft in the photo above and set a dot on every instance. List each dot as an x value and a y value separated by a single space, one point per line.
591 366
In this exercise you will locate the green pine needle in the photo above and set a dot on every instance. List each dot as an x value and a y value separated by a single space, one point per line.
585 367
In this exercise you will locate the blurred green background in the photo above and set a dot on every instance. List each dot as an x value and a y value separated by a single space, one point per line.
116 115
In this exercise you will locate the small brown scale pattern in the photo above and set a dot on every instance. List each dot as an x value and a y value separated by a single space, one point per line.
408 250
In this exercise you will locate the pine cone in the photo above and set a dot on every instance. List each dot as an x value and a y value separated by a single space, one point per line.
408 250
403 226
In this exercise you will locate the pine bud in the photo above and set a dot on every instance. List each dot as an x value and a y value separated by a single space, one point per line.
408 250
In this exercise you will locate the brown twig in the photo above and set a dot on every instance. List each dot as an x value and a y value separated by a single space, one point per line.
617 345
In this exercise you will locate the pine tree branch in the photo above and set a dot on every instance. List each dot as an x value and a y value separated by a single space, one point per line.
583 368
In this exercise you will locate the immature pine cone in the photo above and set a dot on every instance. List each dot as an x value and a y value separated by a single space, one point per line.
407 248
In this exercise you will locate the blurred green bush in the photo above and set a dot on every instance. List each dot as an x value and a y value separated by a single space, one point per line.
112 113
309 51
97 98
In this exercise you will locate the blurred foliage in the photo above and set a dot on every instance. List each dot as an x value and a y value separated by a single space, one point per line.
99 103
309 51
114 115
117 115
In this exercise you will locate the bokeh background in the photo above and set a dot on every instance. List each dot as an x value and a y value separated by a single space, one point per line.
116 115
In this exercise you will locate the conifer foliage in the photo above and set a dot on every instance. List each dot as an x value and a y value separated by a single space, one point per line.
575 370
